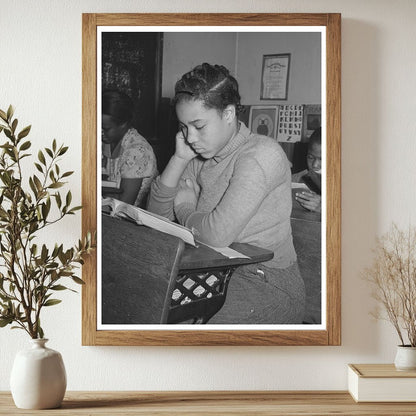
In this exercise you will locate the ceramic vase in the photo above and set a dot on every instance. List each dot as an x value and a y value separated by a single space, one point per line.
38 377
405 358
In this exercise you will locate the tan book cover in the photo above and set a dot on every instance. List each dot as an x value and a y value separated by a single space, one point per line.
381 383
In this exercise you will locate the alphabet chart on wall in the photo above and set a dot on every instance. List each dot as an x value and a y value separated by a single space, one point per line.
289 128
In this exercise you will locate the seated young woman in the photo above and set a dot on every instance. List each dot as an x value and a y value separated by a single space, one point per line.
128 158
230 185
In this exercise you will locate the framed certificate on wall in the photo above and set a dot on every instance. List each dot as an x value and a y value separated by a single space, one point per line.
275 77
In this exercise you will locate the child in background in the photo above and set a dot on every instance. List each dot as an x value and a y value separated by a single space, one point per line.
311 199
230 185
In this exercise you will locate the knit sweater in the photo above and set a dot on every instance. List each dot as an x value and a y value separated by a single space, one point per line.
245 197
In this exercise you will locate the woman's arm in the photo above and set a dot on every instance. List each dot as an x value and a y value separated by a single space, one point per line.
173 172
164 189
250 184
130 188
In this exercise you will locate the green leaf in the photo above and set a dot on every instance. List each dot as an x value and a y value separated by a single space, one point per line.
5 321
37 182
25 145
44 253
33 187
49 152
58 199
59 287
45 210
14 125
54 145
68 199
3 115
63 150
40 331
76 279
41 157
62 257
56 185
24 132
10 112
39 167
67 174
51 302
77 208
25 155
8 133
4 298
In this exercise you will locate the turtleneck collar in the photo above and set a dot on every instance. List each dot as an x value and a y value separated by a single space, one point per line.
234 143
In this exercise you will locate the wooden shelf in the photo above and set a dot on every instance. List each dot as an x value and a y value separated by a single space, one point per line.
180 403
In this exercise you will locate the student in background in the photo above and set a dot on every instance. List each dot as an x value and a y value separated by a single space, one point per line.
230 185
311 199
128 157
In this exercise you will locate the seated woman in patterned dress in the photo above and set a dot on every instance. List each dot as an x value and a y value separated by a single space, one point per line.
128 159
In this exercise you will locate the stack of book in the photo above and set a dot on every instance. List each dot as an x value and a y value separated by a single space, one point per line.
381 383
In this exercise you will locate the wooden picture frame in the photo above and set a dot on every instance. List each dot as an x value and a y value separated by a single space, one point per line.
275 76
329 333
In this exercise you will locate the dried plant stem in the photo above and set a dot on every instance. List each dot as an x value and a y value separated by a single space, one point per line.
393 276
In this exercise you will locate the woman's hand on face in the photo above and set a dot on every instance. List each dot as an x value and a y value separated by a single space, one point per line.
309 200
183 150
188 192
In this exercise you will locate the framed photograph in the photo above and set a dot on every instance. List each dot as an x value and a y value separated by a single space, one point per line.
146 287
275 77
263 120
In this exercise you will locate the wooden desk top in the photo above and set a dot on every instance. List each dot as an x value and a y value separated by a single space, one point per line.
178 403
203 257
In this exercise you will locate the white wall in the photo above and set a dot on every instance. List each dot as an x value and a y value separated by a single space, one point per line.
40 73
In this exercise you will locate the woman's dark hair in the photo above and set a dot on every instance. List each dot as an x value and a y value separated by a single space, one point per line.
315 137
212 84
118 105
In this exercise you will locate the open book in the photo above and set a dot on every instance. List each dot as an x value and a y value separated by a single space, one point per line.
143 217
110 184
107 183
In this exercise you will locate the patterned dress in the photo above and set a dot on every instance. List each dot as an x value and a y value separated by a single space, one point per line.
135 159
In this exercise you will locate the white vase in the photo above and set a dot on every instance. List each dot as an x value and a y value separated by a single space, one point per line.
38 377
405 358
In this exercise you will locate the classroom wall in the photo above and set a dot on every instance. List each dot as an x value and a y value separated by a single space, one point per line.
40 73
183 51
305 57
242 53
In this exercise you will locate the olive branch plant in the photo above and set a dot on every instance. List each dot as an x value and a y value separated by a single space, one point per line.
393 277
31 273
